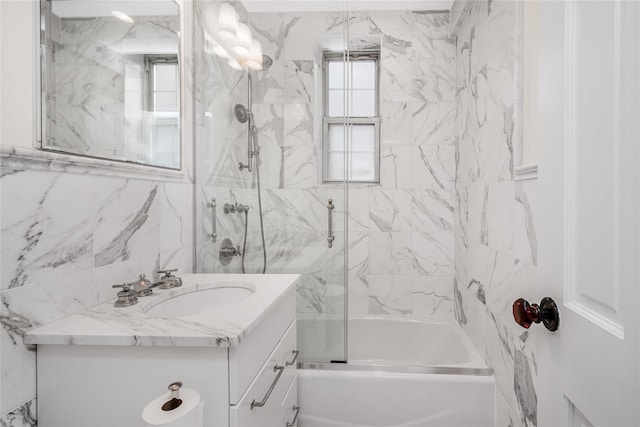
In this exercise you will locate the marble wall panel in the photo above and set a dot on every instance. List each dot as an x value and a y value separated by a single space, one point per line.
67 240
400 229
495 253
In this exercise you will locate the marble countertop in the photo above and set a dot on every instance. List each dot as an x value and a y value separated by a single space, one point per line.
132 326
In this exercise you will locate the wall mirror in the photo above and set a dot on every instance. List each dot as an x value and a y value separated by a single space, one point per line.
110 80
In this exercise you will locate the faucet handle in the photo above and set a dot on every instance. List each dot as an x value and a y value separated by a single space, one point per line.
126 287
126 296
167 272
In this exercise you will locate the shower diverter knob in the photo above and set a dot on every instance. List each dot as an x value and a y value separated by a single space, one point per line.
526 314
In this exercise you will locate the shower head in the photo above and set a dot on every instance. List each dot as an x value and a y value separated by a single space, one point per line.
242 113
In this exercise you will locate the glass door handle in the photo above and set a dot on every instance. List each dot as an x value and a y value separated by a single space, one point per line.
330 236
526 314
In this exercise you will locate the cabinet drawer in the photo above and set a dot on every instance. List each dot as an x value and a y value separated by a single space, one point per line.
268 388
247 359
290 406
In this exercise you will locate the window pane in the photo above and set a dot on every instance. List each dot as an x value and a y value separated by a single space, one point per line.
166 101
166 77
363 103
364 74
335 169
336 103
337 71
336 138
362 167
363 138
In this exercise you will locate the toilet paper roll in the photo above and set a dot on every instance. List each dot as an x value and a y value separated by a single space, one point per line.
188 414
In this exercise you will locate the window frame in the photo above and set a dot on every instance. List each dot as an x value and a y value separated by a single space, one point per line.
346 120
149 63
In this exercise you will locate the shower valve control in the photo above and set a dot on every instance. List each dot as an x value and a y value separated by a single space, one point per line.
235 208
526 314
228 251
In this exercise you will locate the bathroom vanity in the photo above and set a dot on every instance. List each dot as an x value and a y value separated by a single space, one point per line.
102 366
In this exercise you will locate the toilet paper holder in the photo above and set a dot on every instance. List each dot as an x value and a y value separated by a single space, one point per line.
175 400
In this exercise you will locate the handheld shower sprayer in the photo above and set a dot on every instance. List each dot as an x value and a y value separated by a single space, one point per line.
243 115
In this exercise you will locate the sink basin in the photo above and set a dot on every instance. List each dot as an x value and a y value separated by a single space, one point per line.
204 298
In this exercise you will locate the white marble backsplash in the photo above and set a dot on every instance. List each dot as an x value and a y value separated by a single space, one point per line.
495 239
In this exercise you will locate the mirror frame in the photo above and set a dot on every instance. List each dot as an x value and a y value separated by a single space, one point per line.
40 107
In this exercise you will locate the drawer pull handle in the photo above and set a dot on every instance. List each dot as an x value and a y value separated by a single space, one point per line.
295 357
296 409
279 370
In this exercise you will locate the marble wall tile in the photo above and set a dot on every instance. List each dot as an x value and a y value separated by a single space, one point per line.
300 35
433 167
268 29
396 119
395 166
300 167
270 120
298 124
432 211
389 294
358 298
298 81
432 254
269 85
22 416
390 210
358 210
417 111
431 295
34 305
128 216
47 232
495 243
433 123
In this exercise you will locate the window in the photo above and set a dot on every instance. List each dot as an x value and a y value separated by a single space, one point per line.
351 138
163 106
162 85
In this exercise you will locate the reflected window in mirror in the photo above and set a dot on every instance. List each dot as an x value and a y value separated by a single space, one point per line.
163 104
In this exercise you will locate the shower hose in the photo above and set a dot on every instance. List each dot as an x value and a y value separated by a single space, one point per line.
256 150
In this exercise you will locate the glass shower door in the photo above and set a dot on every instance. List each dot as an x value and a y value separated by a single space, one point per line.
314 140
288 101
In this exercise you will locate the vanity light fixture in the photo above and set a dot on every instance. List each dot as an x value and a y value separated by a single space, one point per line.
233 63
231 39
220 51
123 17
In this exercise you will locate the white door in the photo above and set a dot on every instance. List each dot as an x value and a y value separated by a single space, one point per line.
589 191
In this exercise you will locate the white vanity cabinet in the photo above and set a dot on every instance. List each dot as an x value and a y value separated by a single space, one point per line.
262 402
250 381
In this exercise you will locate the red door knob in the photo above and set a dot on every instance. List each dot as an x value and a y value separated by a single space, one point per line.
526 314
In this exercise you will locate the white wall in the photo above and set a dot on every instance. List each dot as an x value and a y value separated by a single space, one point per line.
17 72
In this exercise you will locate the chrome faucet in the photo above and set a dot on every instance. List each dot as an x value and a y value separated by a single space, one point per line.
142 287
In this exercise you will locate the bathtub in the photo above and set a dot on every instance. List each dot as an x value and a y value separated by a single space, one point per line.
409 372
